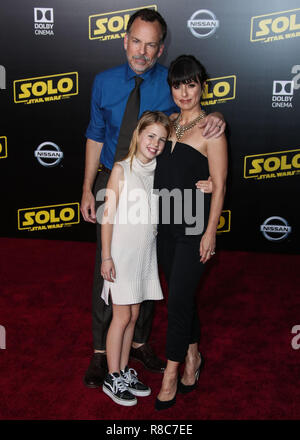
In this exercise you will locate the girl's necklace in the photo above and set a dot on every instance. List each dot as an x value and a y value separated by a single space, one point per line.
181 129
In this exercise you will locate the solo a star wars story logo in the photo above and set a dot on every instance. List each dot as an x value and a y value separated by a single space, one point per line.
224 222
43 89
43 218
272 165
276 26
111 25
219 90
3 147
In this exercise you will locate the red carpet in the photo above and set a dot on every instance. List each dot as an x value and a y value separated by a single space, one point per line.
248 304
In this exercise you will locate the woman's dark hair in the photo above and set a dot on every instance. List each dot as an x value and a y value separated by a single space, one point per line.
149 15
184 69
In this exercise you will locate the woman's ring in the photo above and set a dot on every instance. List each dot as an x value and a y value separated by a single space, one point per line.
212 253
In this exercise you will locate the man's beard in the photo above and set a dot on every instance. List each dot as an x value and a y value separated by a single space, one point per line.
146 59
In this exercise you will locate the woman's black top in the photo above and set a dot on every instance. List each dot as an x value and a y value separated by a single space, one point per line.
178 171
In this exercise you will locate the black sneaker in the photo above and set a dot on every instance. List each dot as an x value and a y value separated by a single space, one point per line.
116 389
136 387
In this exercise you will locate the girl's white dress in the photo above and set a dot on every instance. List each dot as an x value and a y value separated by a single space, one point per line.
133 246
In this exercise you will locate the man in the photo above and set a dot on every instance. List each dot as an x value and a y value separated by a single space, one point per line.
108 141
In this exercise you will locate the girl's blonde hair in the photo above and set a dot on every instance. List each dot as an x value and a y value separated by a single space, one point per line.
147 118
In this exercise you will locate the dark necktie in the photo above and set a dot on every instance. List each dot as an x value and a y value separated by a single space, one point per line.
129 120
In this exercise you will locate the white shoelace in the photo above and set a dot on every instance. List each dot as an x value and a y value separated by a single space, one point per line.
131 376
119 385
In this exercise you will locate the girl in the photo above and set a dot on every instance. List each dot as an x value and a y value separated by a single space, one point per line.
129 262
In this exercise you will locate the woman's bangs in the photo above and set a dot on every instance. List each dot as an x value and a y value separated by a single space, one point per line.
183 75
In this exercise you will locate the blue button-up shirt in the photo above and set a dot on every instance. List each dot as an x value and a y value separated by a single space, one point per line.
110 93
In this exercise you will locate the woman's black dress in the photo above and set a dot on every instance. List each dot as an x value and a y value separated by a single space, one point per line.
179 239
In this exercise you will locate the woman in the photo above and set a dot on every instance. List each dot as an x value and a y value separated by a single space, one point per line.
183 250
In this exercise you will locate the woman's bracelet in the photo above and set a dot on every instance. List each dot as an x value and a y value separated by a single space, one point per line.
106 259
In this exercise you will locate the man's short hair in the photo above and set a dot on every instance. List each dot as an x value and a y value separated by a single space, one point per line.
149 15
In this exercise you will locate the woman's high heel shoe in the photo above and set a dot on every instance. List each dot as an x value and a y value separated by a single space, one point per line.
184 389
160 404
165 404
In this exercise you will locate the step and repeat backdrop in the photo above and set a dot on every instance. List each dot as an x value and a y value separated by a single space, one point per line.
52 49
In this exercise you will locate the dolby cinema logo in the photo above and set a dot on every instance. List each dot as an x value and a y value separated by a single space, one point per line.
283 93
43 21
275 228
203 23
48 154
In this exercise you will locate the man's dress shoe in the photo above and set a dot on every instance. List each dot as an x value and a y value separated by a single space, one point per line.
96 371
148 358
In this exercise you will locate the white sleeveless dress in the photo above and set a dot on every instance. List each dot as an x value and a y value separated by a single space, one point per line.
133 246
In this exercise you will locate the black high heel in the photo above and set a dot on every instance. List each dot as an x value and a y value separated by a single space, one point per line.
165 404
160 404
184 389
